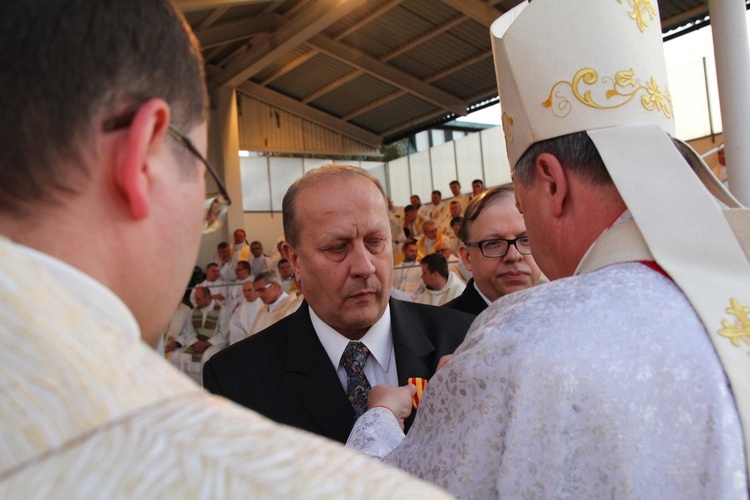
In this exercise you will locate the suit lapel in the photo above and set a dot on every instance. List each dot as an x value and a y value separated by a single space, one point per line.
320 392
474 302
410 343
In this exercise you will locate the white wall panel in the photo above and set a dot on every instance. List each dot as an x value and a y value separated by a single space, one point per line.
469 161
284 171
421 177
443 169
399 184
255 188
376 169
495 157
312 163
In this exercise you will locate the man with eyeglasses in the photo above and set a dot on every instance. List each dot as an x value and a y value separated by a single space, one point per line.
102 171
278 303
495 248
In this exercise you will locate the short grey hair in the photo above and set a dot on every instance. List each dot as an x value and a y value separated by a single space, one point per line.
268 276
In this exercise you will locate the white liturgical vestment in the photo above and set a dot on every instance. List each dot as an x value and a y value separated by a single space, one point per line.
90 411
603 385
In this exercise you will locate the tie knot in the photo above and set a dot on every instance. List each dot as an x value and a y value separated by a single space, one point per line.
354 357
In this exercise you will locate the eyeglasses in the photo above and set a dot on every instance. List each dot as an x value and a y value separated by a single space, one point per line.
497 247
215 206
259 290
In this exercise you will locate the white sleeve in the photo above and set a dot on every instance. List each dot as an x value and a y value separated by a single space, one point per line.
376 433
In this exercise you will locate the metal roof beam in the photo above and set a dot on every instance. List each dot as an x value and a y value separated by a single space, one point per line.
211 18
388 73
306 24
458 67
479 11
368 18
298 61
194 5
374 104
309 113
236 30
438 30
333 85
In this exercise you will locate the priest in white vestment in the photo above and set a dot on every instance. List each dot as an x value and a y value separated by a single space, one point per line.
104 138
243 317
624 377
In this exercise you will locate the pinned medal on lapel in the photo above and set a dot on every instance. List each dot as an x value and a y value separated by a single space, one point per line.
420 384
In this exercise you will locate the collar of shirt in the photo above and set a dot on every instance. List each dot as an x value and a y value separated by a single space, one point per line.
278 301
380 367
208 308
624 216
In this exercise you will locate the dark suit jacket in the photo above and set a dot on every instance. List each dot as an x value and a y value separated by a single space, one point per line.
285 374
469 301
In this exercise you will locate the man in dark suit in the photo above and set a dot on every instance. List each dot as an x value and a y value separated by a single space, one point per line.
313 369
495 249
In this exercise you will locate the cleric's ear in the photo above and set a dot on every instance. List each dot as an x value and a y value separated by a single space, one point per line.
554 181
141 146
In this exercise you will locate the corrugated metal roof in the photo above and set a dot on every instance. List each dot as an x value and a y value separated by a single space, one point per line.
367 69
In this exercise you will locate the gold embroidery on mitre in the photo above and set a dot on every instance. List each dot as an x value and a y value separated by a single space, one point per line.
740 330
507 127
641 9
624 88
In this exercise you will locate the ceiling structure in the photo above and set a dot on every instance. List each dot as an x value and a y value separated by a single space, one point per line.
371 70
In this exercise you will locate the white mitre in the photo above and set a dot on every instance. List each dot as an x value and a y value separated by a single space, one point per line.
566 66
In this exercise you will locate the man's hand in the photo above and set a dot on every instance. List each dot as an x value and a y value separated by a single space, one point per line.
444 361
171 346
217 296
200 346
396 399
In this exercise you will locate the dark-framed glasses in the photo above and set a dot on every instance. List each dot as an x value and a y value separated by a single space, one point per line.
216 205
496 248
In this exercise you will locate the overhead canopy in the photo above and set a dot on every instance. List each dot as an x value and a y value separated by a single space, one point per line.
371 70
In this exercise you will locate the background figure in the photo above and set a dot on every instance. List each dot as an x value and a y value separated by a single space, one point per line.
206 334
278 303
441 285
227 261
235 293
243 317
176 330
288 282
477 188
214 283
407 275
260 261
458 196
241 246
431 236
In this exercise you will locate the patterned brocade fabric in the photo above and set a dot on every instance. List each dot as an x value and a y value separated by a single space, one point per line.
597 386
89 411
